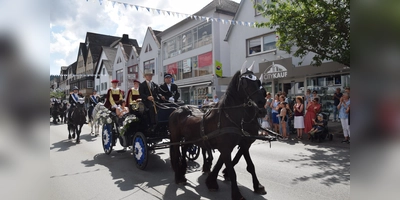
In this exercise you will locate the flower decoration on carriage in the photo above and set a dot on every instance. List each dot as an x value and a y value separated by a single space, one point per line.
125 125
104 116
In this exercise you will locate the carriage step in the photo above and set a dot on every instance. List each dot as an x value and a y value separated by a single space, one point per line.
160 146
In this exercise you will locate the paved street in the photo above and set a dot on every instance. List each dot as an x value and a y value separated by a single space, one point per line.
288 170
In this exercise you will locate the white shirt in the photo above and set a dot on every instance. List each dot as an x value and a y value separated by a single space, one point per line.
216 100
169 86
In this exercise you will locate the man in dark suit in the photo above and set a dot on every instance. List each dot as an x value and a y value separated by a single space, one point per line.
168 90
148 92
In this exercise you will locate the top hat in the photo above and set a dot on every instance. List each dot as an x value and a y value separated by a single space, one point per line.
148 72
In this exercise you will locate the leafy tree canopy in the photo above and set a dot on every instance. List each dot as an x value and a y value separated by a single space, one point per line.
318 26
57 94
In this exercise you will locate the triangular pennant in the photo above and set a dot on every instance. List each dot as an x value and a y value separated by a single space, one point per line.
101 2
195 17
163 12
203 18
113 3
187 15
248 23
242 23
223 21
148 9
137 7
191 16
168 13
158 10
207 18
177 14
125 4
172 13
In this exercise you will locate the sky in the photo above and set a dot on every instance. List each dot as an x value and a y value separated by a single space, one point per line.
71 19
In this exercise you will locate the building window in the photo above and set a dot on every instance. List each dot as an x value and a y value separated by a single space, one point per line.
133 69
105 85
148 48
97 88
190 39
149 66
120 76
260 2
119 60
104 71
263 44
89 83
191 67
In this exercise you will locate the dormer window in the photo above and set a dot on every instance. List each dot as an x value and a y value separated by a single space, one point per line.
119 60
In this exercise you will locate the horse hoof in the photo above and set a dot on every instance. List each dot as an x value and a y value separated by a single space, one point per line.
73 136
212 185
260 190
69 137
78 141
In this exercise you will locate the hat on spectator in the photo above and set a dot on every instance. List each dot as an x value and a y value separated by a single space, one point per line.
114 81
136 81
320 115
76 88
167 75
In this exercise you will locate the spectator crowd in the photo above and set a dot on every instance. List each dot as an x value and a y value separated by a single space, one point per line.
303 115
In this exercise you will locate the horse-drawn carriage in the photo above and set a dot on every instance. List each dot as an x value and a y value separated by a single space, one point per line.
132 130
232 122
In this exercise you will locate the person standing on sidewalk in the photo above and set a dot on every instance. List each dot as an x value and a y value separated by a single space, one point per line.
344 107
336 101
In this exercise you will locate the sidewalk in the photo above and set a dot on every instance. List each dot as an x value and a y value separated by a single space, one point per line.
335 128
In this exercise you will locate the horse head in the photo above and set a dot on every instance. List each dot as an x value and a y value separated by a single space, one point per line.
249 87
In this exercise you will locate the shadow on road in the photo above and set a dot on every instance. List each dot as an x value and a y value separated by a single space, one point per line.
333 163
63 145
159 173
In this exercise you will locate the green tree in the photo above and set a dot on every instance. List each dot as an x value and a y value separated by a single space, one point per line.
57 94
318 26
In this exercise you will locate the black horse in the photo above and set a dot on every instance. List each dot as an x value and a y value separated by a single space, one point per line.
63 112
222 128
76 121
55 111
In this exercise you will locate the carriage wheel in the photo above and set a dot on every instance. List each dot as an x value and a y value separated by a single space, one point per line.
193 152
107 138
140 150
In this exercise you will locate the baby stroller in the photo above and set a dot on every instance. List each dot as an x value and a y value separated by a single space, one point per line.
323 134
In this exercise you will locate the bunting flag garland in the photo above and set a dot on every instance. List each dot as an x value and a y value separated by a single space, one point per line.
177 14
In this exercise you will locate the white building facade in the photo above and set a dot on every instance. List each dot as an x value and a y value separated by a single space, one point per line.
103 70
150 55
191 50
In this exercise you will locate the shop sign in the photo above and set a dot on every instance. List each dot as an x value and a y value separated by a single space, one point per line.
275 71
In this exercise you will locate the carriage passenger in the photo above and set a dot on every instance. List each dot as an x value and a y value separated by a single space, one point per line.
133 94
122 109
148 91
114 95
168 90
